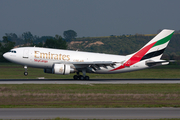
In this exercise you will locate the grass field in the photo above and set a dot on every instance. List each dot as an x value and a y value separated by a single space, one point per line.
13 71
89 95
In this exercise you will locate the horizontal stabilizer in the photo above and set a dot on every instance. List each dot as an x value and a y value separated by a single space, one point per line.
151 63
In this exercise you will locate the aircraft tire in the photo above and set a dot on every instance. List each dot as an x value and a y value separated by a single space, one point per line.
25 73
75 77
81 77
86 77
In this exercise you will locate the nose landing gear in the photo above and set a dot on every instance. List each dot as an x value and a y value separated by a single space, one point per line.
25 73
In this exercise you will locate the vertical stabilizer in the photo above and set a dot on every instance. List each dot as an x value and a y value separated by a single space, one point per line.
157 45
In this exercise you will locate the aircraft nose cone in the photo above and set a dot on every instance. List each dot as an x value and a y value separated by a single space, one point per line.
5 55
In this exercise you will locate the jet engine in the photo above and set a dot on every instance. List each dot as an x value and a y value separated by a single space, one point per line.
62 69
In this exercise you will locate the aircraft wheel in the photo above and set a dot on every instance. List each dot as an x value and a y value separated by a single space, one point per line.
81 77
25 73
75 77
86 77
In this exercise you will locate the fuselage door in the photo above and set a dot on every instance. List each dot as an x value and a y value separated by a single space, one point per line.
26 53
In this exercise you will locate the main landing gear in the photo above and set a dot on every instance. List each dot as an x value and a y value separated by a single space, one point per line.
25 73
81 77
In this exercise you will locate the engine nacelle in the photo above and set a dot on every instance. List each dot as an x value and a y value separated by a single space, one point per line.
62 69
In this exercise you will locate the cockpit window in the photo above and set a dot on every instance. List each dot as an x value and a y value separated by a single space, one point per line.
12 51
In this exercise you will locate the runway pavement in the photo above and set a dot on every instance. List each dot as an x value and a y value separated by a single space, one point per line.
89 113
92 81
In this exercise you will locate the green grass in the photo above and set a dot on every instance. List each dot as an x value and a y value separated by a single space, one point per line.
13 71
89 96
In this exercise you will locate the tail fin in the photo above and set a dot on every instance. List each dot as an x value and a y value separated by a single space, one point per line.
153 49
157 45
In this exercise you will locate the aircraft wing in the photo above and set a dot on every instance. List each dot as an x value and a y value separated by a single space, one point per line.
92 64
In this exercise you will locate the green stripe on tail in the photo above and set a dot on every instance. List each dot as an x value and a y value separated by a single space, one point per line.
164 40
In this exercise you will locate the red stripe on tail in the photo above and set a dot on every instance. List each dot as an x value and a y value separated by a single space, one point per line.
136 57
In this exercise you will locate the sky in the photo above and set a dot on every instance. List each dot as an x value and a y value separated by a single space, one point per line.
88 18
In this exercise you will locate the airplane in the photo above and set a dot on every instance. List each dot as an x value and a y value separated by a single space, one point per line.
64 62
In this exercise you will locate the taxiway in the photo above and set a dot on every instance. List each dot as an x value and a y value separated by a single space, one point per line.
92 81
89 113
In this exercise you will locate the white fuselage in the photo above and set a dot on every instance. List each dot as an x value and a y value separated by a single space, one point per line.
46 58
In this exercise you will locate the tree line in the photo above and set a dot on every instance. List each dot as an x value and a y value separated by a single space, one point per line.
28 37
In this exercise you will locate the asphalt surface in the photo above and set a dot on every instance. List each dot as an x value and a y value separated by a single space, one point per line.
91 81
89 113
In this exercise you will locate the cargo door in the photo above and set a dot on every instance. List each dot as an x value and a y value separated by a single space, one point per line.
26 53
